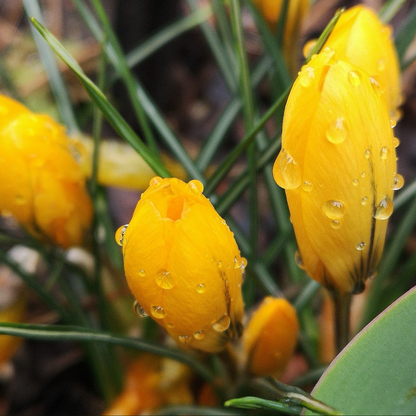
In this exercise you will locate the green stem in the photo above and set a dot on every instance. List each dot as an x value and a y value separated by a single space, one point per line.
342 305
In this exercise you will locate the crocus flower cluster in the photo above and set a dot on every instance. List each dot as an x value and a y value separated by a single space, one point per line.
338 160
41 183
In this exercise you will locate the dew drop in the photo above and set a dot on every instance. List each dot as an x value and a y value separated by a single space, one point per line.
306 50
393 123
364 201
337 132
286 171
298 260
158 312
222 324
306 76
307 186
396 114
142 273
170 325
200 288
376 85
243 263
335 224
185 338
155 181
237 264
396 142
384 209
164 279
361 246
120 234
219 265
354 78
196 186
384 153
363 174
398 182
139 310
199 334
381 65
334 209
355 182
367 154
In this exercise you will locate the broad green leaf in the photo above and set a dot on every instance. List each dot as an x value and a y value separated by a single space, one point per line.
376 373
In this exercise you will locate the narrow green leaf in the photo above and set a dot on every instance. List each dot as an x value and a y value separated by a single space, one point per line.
404 35
258 403
51 67
80 334
389 10
101 101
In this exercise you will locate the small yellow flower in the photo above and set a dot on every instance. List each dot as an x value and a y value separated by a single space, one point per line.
183 265
361 39
41 183
297 9
338 167
270 337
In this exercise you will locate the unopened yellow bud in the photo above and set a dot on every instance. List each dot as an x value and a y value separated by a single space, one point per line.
183 265
270 337
338 167
361 39
41 183
297 9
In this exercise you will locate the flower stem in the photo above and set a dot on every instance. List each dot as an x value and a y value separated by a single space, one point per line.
342 304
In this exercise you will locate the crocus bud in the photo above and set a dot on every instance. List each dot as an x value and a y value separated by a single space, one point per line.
297 9
361 39
41 183
338 167
183 265
270 337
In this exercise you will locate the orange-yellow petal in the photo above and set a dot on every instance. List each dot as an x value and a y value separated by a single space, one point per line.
183 265
270 337
338 166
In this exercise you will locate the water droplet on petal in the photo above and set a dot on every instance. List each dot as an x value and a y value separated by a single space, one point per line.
222 324
367 154
237 264
185 338
361 246
376 85
364 201
155 181
243 263
306 76
219 265
199 334
139 310
354 78
170 325
298 260
337 131
398 182
381 65
164 279
307 186
120 234
142 273
335 224
200 288
196 186
355 182
363 174
393 123
396 142
384 153
334 209
286 171
384 209
158 312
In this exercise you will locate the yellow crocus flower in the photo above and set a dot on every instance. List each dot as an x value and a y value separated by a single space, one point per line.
41 183
338 167
183 265
297 9
270 337
361 39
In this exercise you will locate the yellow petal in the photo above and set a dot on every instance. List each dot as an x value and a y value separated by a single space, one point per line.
41 183
270 337
337 133
360 38
183 265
